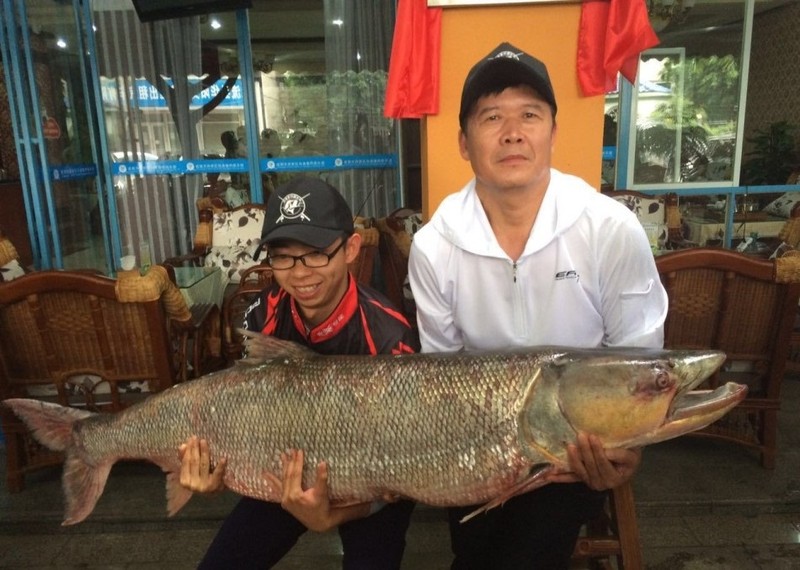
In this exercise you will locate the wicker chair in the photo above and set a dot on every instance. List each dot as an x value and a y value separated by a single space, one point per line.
82 340
396 232
253 281
790 233
362 266
789 237
744 306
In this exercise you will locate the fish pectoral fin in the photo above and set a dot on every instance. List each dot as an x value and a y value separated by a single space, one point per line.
177 494
261 348
536 479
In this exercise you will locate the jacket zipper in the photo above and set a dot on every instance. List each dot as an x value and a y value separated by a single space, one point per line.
517 305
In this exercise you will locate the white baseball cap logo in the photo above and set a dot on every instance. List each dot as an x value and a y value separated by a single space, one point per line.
293 206
507 54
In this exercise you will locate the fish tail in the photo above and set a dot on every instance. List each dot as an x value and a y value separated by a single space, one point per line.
52 426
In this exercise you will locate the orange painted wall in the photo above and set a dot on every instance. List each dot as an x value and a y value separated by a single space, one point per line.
547 31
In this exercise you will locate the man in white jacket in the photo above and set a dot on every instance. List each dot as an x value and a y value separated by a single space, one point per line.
525 255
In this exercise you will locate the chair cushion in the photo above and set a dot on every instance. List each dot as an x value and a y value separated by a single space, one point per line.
237 228
785 206
235 237
651 213
11 270
649 210
233 260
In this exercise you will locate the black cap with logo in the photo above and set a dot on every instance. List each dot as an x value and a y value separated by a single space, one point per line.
505 66
308 210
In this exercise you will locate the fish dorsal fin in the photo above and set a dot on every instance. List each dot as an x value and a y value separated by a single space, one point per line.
261 348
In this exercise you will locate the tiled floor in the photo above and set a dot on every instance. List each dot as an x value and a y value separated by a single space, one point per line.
702 505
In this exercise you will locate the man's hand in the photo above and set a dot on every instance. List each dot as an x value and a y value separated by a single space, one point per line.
196 472
600 469
312 506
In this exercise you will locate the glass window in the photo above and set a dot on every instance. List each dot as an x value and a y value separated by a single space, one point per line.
686 117
71 208
180 125
320 78
155 94
685 108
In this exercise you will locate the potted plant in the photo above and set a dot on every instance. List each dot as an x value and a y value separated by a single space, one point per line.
773 157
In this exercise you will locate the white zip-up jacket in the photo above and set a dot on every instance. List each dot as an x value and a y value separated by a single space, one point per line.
587 277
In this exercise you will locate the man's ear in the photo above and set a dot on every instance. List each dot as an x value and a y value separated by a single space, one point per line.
462 144
352 248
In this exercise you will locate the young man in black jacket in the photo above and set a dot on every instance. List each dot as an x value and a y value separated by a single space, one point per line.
309 237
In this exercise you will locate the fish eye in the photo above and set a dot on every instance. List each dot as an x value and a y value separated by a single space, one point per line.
663 380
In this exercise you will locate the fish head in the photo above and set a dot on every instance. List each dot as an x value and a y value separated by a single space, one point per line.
627 397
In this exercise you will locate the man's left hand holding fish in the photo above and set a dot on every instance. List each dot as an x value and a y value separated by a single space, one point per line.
600 469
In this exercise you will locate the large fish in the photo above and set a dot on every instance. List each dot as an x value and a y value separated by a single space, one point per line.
443 429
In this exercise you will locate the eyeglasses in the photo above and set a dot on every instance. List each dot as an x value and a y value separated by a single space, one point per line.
312 259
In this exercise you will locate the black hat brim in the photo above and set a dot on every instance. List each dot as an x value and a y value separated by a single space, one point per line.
316 237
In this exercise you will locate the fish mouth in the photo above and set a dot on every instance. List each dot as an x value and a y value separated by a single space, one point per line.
699 407
699 403
695 409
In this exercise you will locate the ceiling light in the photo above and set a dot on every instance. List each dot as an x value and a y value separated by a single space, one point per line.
215 24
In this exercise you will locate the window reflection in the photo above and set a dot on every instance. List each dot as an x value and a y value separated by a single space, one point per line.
686 106
176 90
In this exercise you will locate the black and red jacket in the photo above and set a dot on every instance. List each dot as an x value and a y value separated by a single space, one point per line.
364 322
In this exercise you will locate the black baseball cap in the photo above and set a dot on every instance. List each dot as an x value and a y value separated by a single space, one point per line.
308 210
505 66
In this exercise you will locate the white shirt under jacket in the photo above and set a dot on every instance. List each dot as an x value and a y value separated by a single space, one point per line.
586 278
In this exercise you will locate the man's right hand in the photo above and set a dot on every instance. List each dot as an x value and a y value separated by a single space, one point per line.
196 472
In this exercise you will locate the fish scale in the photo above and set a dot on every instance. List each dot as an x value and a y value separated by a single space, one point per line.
443 429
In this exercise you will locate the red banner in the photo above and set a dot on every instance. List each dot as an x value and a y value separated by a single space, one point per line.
612 35
413 86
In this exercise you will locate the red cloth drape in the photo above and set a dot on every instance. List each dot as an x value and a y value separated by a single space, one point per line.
612 35
413 86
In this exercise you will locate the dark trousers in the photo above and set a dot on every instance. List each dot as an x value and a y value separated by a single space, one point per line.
537 530
257 534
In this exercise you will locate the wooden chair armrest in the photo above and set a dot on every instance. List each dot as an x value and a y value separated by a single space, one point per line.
194 259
